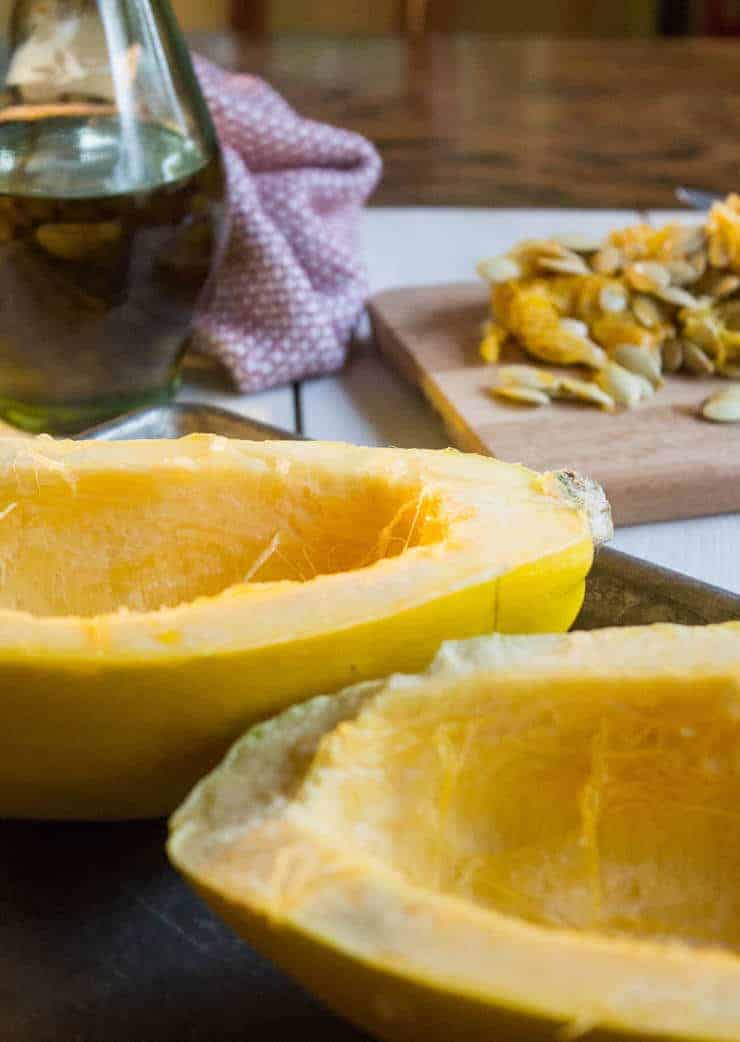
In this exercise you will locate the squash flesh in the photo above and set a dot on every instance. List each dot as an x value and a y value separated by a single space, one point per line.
160 539
617 815
542 832
198 520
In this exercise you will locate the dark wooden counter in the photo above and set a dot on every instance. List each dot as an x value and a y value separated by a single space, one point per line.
479 121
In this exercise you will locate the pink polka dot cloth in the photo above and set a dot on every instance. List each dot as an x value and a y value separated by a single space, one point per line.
290 284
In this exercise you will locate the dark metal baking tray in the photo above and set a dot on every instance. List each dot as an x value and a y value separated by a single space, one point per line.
181 418
100 941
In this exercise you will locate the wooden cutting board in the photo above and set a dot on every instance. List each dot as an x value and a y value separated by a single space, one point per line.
657 462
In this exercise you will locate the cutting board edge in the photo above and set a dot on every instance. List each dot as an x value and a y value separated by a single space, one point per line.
391 346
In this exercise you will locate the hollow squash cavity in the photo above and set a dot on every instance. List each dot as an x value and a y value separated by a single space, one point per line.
619 815
106 540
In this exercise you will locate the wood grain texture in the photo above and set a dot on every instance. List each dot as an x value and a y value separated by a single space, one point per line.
481 121
657 462
249 16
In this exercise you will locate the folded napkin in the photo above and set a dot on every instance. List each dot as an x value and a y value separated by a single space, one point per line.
290 285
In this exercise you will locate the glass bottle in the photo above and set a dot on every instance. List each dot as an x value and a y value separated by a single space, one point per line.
111 209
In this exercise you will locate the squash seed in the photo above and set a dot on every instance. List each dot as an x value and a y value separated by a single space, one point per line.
692 238
719 255
726 286
626 388
647 312
613 298
582 350
521 395
695 360
646 286
527 376
699 262
675 295
672 354
583 391
682 272
724 406
534 248
593 355
578 243
703 330
499 269
574 326
608 261
640 360
647 276
730 314
570 264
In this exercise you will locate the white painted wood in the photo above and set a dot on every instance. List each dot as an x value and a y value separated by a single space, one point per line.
416 245
369 404
685 215
203 382
707 547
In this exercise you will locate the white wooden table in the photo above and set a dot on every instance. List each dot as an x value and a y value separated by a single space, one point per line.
368 403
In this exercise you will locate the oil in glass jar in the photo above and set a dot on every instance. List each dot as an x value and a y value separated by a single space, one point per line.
111 210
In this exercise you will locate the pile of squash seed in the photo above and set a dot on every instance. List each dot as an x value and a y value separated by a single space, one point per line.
643 303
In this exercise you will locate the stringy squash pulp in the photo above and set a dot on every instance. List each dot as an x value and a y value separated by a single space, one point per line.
158 597
538 838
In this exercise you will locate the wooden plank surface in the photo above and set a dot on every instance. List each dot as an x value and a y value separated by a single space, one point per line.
485 121
368 404
656 462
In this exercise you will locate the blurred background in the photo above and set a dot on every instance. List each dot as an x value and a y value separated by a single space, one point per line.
530 17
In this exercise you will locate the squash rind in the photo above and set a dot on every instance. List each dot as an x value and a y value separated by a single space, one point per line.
397 958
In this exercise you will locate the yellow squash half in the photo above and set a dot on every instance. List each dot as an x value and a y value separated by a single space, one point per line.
537 839
158 597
